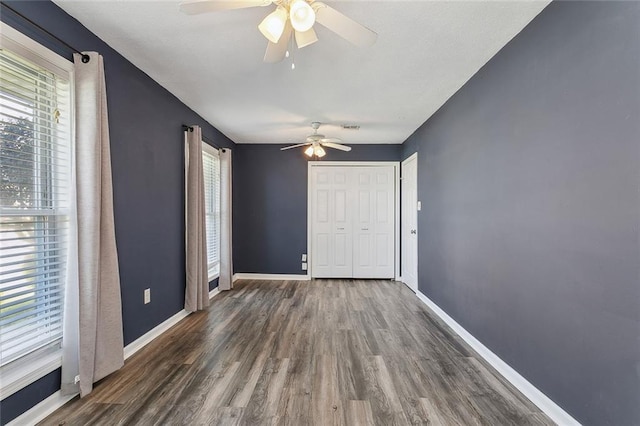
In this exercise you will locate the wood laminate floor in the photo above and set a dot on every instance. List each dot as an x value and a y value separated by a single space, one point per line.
326 352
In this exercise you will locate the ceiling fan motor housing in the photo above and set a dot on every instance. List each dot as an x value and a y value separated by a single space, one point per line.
316 137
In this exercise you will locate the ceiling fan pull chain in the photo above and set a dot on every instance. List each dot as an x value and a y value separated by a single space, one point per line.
293 65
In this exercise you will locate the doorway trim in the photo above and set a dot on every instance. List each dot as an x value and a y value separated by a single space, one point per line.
310 188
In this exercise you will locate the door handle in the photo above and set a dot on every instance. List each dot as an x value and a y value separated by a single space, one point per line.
364 229
413 231
340 229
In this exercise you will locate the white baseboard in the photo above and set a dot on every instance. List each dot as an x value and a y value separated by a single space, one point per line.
150 335
40 411
273 277
543 402
158 330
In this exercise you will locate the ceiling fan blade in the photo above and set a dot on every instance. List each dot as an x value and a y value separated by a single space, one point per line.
276 51
304 39
336 146
294 146
193 7
325 140
345 27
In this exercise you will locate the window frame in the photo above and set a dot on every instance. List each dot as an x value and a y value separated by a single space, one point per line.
23 371
213 271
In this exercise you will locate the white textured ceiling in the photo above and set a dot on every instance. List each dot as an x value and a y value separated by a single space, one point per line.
426 50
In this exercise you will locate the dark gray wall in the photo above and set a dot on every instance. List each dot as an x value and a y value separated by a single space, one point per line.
148 179
270 203
528 234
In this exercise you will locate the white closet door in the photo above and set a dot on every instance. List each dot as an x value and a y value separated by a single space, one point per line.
374 222
332 244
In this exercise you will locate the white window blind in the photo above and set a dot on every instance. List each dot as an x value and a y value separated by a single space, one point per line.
35 177
211 171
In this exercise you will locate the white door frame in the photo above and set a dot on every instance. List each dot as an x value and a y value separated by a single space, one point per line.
412 157
310 188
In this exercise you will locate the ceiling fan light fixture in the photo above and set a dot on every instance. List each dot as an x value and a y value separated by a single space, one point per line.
272 26
316 143
302 15
298 15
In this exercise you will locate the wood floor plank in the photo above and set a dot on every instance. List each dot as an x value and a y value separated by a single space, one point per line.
92 413
359 413
247 380
326 404
322 352
350 353
382 395
295 406
226 416
265 400
211 396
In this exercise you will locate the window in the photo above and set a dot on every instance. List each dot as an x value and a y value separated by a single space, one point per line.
211 171
35 201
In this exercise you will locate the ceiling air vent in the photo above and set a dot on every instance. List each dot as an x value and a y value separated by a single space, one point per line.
351 127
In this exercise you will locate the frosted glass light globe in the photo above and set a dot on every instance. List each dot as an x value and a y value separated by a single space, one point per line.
302 15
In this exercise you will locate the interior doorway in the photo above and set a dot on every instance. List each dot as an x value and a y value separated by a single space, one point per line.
409 226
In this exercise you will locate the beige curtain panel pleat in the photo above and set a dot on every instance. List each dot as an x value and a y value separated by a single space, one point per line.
100 348
197 289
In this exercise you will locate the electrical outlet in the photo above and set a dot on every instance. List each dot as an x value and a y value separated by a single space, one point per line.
147 296
419 205
304 266
304 257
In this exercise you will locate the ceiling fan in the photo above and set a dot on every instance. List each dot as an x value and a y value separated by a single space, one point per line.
316 142
297 16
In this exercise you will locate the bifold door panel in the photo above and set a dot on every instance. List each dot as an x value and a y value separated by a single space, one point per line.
331 229
352 222
373 230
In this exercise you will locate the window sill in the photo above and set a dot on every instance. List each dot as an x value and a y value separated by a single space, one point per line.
27 371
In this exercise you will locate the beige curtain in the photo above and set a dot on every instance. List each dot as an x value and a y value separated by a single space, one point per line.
93 340
197 289
225 281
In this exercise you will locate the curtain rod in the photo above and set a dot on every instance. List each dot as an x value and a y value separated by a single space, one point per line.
190 129
85 58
